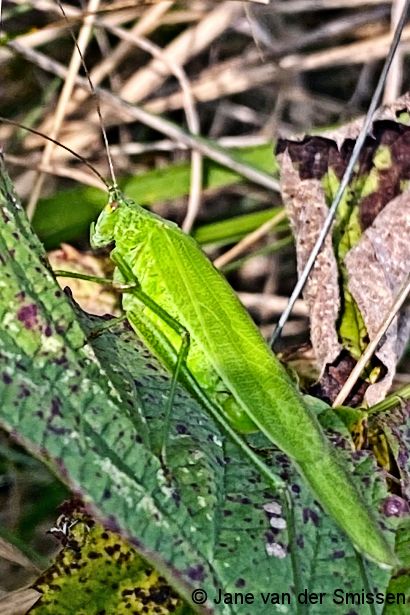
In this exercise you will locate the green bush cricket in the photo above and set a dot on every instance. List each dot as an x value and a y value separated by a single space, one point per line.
169 267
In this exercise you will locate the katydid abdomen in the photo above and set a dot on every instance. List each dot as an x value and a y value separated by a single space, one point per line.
173 271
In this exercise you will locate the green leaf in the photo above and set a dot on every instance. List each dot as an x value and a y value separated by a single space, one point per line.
93 407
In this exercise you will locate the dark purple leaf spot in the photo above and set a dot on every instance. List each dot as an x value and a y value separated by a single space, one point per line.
310 515
28 316
55 407
23 392
60 360
48 331
106 494
58 431
196 573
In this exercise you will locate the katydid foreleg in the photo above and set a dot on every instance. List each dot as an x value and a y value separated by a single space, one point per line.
132 285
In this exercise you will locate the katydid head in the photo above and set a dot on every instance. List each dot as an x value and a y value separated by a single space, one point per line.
103 231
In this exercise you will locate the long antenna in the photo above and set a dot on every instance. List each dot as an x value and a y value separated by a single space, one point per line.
94 95
345 179
6 120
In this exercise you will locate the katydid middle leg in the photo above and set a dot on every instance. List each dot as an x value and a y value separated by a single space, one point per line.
133 286
160 344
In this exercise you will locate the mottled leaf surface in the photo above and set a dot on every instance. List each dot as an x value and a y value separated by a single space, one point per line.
400 582
95 413
102 566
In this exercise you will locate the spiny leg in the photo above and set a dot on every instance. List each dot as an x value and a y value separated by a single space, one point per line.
133 286
161 345
181 360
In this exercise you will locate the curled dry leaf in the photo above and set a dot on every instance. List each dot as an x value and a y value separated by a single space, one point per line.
362 265
377 267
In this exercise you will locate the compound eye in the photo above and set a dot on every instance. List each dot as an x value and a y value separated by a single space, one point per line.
111 206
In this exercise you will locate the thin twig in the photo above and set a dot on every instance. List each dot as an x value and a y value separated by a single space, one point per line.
370 349
165 145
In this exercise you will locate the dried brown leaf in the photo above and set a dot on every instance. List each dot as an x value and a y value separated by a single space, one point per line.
377 268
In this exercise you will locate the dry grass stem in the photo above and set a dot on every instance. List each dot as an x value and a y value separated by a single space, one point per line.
82 177
394 79
192 41
247 242
272 304
129 112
